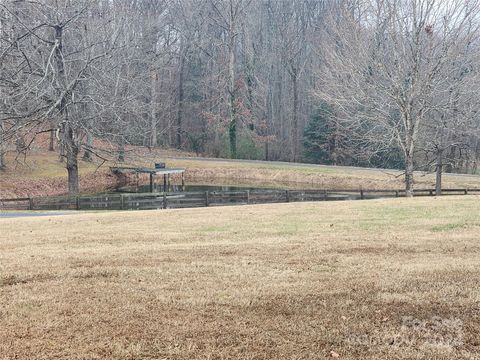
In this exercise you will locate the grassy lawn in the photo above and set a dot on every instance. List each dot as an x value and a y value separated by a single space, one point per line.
383 279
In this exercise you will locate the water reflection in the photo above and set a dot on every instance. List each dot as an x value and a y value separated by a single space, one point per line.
190 188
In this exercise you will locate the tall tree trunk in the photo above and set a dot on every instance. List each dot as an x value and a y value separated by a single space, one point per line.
476 157
280 111
410 140
180 101
2 148
84 108
451 157
61 84
61 149
2 154
153 109
69 147
294 130
232 127
409 174
121 150
72 160
87 155
51 145
439 172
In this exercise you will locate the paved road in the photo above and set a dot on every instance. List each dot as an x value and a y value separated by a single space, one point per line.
5 215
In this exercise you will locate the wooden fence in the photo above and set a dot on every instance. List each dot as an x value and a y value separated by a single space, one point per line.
208 198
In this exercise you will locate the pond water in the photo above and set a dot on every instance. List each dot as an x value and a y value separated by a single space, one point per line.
178 188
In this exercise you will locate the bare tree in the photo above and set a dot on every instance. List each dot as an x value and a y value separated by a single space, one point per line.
386 60
228 17
57 53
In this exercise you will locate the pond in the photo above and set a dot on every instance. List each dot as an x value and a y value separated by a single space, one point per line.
190 188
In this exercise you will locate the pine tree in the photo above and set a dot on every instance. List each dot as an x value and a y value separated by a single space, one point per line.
319 137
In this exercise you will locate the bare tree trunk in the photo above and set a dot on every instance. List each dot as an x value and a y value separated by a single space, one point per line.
476 157
88 147
153 109
2 148
51 145
180 101
121 150
61 149
69 147
278 106
87 155
2 153
232 128
439 172
409 174
72 160
451 156
294 129
61 83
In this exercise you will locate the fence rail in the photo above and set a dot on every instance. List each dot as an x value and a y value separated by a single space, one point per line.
177 200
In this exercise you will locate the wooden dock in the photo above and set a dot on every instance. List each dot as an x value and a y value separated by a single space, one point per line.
165 172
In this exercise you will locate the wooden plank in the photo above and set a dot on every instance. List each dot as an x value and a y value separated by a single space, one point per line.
199 202
214 198
14 200
16 205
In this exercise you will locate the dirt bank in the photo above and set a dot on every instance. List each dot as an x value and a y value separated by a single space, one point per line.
48 186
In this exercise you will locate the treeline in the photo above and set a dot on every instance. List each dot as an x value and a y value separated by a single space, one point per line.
350 82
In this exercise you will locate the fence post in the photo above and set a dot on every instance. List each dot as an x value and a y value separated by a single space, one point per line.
164 200
466 191
122 202
287 195
30 203
77 202
206 198
362 196
396 193
325 196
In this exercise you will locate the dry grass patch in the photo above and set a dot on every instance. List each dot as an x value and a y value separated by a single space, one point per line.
388 279
307 176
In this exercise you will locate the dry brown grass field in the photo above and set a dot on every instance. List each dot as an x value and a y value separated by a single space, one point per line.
383 279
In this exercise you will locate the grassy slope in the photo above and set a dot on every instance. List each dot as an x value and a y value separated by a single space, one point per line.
308 176
254 282
42 174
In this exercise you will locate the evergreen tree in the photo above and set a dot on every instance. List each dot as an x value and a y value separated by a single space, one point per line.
319 137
